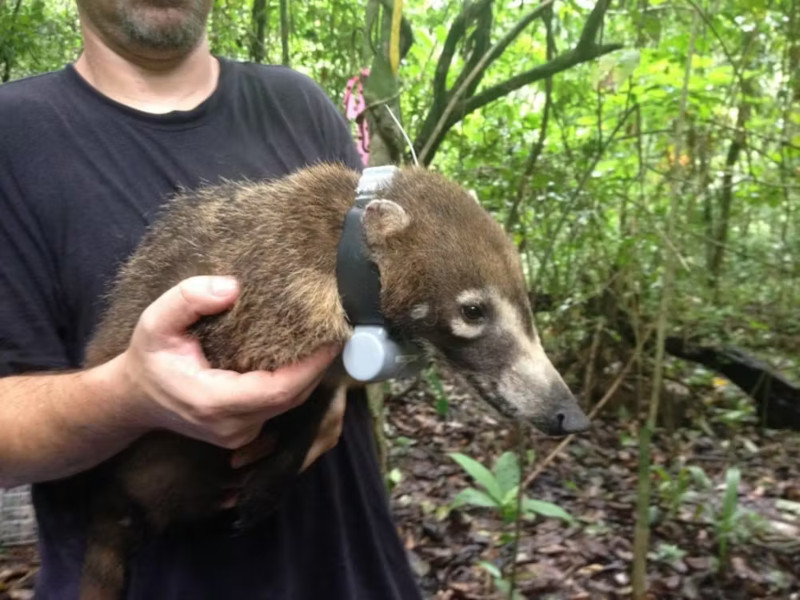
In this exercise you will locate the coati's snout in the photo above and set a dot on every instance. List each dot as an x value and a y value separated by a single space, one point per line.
498 352
534 388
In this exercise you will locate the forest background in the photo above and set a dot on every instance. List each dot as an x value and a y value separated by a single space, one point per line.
645 157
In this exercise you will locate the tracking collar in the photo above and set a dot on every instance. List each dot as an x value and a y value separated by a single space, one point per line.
371 354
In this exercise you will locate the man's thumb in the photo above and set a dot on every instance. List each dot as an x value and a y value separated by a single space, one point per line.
182 305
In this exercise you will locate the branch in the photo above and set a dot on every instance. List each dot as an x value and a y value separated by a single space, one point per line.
457 30
537 148
481 43
560 63
592 26
567 211
442 124
585 50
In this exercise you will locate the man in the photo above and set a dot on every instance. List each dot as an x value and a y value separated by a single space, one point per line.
88 155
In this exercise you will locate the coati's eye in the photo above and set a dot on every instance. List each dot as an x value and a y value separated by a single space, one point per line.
472 312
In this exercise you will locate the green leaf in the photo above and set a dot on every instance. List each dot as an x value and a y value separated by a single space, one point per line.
661 472
700 478
493 570
480 474
475 498
395 476
506 471
442 403
546 509
788 506
731 495
626 63
442 406
511 496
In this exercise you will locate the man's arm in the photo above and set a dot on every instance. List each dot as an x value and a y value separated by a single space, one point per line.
55 425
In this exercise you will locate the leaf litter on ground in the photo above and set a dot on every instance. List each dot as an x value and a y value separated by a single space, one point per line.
594 480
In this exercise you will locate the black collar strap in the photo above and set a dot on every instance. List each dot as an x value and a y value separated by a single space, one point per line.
357 276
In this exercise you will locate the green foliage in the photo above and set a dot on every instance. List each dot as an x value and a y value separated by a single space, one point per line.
501 583
500 488
592 208
675 490
36 36
727 523
691 486
393 477
668 553
441 402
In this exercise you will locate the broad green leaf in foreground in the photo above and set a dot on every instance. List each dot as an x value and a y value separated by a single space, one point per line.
475 498
546 509
506 471
479 473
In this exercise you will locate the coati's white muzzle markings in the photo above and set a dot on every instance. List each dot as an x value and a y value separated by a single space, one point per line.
510 369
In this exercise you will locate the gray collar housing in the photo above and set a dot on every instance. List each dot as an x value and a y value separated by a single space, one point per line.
371 354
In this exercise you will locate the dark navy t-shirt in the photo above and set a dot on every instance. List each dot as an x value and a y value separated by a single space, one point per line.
81 177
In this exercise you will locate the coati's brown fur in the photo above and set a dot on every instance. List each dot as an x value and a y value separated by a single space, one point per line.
431 241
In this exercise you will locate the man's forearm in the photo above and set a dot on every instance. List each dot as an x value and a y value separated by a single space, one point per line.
56 425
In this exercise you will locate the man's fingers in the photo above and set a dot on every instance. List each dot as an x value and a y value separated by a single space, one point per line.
299 376
182 305
265 443
270 392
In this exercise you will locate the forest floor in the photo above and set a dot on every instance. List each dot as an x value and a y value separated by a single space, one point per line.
594 480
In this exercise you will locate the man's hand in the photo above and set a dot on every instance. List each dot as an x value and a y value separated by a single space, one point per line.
172 385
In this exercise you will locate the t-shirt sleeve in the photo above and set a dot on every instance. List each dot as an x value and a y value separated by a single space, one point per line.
29 329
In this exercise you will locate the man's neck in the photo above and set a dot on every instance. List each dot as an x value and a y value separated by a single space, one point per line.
147 84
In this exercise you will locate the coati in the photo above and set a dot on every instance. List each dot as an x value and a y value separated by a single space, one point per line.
450 280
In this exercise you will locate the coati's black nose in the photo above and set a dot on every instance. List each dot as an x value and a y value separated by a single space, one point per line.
570 421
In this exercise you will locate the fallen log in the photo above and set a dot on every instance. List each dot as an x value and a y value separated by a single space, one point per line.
777 398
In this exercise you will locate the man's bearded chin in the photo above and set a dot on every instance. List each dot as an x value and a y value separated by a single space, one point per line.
163 28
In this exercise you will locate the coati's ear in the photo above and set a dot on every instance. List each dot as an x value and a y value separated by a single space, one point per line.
382 220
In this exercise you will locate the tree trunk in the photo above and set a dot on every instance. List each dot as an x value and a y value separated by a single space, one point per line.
726 200
726 193
284 6
643 492
6 51
260 17
381 90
